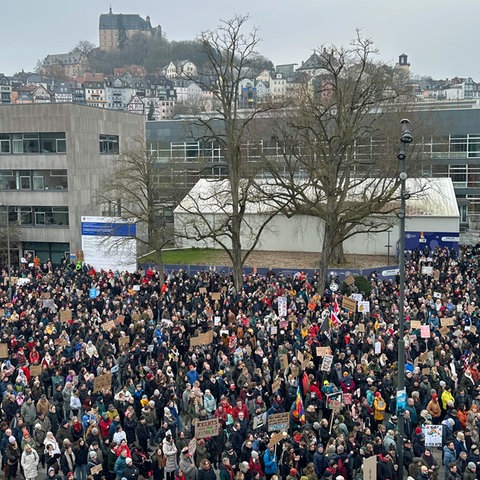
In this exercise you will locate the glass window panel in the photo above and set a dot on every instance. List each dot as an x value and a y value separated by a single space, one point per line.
25 183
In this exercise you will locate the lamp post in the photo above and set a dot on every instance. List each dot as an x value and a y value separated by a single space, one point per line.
9 260
405 139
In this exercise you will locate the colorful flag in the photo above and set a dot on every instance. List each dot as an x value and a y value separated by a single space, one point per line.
334 317
299 406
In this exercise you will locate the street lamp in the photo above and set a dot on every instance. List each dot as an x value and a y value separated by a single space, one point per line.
405 139
7 224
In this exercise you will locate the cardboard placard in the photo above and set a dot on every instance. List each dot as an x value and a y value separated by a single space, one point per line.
361 328
207 428
350 280
102 382
202 339
444 330
349 304
436 274
202 290
276 438
215 295
123 341
45 294
276 385
322 351
35 370
370 468
96 469
107 326
278 421
3 350
2 312
415 324
65 315
447 321
48 303
192 446
426 371
300 357
437 295
60 342
283 362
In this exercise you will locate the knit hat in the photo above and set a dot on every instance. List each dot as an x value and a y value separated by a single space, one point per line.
128 460
418 430
51 469
11 439
471 466
293 472
254 454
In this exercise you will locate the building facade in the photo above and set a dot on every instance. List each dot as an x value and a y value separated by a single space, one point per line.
54 157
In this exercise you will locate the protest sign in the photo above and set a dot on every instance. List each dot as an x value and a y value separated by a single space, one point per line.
276 438
363 306
370 468
361 328
444 330
123 341
282 306
48 303
35 370
349 304
447 321
327 363
215 295
433 435
3 350
135 317
121 319
107 326
283 362
192 446
60 342
350 280
202 339
278 421
322 351
415 324
276 385
207 428
425 331
202 290
427 270
96 469
65 315
101 382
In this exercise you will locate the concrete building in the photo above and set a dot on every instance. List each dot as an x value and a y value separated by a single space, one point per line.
53 159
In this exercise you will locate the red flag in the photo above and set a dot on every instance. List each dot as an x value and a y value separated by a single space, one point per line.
334 317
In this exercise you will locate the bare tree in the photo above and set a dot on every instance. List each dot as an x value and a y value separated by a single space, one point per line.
136 188
339 151
230 53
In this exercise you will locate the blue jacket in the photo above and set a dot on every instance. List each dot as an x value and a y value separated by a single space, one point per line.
270 462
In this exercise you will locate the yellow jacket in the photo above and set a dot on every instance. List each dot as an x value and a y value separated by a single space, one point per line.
446 397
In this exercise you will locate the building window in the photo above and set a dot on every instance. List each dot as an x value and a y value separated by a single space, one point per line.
33 179
39 216
109 144
20 143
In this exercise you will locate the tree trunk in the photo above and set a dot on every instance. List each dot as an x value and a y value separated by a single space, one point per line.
324 260
158 256
337 255
236 255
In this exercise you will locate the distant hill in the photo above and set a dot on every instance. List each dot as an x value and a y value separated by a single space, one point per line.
154 54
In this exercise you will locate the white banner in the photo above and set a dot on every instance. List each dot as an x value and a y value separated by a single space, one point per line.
282 306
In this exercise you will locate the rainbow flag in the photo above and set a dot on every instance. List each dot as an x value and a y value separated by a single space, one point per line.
299 406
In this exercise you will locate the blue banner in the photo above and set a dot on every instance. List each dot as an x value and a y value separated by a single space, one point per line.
100 229
432 240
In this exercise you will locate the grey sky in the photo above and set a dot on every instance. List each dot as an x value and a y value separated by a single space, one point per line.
439 37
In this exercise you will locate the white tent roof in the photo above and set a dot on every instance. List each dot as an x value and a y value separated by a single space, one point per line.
434 197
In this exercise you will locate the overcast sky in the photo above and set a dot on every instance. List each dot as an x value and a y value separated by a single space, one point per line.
439 36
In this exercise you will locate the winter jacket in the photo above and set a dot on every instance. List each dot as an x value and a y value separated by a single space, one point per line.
270 462
448 456
170 451
187 466
120 466
29 462
29 413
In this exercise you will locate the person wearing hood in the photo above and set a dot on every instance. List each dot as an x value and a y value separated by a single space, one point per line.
379 406
347 384
434 409
13 457
385 467
29 462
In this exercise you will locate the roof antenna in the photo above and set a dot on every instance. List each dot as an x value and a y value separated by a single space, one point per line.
110 12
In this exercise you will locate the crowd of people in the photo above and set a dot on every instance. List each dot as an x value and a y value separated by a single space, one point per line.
280 345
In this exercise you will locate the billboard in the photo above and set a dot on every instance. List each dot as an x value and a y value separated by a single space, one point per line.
109 243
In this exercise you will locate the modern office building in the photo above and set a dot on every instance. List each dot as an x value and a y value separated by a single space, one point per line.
54 157
450 149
